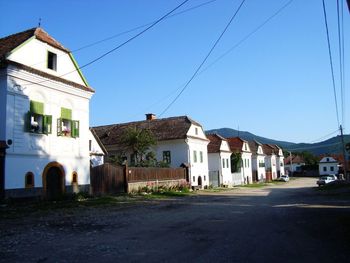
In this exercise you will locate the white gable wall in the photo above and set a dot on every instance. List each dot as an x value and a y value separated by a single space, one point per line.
33 53
96 152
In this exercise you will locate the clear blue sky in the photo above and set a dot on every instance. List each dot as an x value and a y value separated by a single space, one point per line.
276 84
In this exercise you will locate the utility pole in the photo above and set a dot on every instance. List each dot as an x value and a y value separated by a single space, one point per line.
344 155
291 163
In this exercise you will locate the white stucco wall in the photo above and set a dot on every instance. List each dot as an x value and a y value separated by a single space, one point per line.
3 91
96 152
34 151
34 54
328 165
178 151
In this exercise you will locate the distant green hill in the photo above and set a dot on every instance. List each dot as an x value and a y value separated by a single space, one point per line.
330 146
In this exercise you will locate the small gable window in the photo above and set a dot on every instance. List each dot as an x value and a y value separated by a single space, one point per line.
29 180
196 131
36 121
66 126
51 60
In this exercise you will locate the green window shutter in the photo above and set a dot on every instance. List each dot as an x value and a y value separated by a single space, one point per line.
66 113
47 124
59 127
75 129
36 107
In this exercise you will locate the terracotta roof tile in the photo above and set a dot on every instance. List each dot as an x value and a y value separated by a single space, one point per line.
7 44
215 142
236 143
163 129
254 145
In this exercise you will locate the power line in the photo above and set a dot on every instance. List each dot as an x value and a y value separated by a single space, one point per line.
325 136
224 54
120 45
141 26
331 61
340 61
132 29
204 60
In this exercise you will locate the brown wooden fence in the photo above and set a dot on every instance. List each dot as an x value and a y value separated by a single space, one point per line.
109 178
141 174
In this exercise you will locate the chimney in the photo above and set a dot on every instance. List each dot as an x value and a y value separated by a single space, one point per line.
150 116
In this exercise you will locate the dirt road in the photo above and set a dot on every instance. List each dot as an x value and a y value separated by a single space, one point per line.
292 222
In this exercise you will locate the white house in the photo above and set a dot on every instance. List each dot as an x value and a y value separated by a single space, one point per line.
293 164
219 160
180 141
270 161
96 149
279 159
238 145
45 116
258 161
328 165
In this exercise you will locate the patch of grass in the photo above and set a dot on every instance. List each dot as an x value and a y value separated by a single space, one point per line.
217 189
166 194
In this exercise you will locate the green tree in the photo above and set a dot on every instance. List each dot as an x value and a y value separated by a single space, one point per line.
235 162
139 142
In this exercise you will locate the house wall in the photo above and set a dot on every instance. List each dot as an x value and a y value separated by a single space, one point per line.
247 167
280 164
96 152
256 159
33 53
198 168
328 167
35 151
3 97
270 164
178 151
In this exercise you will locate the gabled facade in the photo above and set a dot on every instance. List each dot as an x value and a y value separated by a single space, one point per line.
238 145
270 161
219 159
96 149
293 164
328 165
258 161
279 160
180 141
45 116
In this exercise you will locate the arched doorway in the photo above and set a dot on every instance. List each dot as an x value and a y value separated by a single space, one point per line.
200 182
53 181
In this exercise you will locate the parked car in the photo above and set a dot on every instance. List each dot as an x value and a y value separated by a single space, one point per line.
284 178
326 179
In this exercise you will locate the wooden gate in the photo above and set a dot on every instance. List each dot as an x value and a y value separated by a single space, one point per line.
108 179
214 179
268 176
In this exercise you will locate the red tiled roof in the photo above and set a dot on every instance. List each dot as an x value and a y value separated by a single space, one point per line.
215 142
236 144
295 159
163 129
268 149
7 44
254 145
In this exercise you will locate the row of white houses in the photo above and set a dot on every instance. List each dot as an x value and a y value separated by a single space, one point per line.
47 147
256 162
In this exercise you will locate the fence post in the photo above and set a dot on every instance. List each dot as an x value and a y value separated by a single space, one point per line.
126 177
